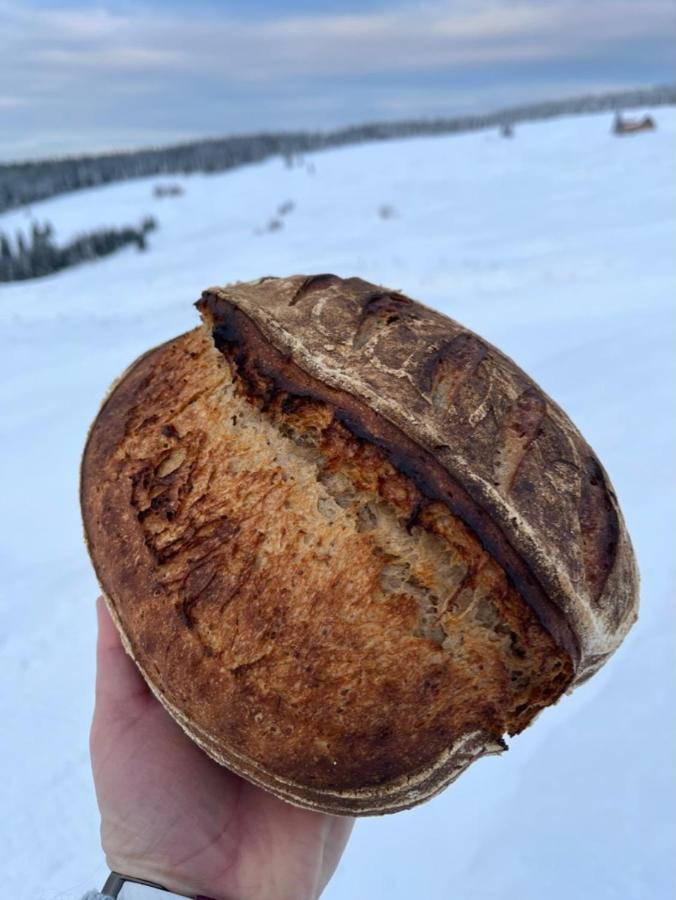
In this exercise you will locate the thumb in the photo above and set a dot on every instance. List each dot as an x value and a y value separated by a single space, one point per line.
120 687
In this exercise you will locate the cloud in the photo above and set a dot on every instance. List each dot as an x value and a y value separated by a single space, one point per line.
7 102
112 59
408 37
186 67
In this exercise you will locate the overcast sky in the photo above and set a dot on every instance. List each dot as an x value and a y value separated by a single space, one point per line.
89 76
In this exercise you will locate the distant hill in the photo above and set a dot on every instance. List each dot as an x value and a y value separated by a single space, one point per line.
28 182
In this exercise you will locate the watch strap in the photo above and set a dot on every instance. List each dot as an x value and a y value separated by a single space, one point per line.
116 881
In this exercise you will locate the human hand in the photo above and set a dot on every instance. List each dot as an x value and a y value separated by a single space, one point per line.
171 815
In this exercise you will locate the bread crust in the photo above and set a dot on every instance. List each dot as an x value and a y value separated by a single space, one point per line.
512 449
396 796
409 378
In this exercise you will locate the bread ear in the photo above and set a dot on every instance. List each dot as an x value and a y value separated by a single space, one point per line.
496 433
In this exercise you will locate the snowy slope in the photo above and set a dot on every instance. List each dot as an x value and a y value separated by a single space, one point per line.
557 246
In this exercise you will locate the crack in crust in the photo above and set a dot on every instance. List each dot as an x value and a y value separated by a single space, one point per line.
273 372
457 578
421 374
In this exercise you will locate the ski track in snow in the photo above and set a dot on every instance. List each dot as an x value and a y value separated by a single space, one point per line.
559 247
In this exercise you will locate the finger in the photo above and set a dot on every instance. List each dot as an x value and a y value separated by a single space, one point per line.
119 685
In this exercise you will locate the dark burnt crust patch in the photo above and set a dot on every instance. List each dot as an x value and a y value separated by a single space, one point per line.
268 372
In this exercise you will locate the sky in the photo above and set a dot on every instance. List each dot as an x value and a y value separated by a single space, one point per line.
84 77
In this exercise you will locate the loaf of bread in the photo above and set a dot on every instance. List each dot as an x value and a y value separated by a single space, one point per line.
349 544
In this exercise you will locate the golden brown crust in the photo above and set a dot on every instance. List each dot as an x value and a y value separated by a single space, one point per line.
495 432
400 794
253 615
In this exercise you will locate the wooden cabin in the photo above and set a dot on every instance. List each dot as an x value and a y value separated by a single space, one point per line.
632 126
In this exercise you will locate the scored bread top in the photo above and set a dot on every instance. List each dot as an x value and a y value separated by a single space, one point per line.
515 456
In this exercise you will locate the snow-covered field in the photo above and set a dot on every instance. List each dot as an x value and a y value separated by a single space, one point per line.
559 247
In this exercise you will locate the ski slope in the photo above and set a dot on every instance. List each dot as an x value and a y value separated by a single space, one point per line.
558 246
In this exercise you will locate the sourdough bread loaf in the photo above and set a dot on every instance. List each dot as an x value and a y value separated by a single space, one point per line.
350 544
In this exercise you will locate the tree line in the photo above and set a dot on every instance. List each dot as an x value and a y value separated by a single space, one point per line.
37 254
28 182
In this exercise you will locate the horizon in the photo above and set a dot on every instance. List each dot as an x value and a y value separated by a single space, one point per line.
114 76
506 111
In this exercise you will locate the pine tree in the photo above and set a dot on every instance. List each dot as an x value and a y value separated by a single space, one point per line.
39 255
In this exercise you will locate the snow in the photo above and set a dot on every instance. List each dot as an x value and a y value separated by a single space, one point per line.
558 247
